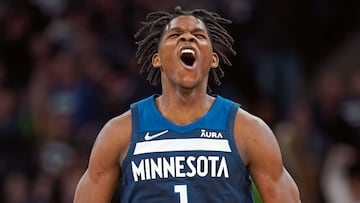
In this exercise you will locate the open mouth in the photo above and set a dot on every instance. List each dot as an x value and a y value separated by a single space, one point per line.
187 56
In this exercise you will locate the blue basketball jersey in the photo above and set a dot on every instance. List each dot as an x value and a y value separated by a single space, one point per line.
194 163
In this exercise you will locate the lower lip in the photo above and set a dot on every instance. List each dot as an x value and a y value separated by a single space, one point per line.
189 67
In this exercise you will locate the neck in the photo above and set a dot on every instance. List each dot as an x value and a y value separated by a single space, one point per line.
183 109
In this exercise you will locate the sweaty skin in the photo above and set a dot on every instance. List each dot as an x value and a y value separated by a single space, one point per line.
184 99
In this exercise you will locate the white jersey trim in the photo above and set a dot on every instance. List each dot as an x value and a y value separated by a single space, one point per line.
191 144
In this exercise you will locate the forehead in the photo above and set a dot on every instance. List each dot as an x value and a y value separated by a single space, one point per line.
186 23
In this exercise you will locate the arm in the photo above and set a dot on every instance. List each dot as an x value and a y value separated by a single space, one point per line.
103 173
260 152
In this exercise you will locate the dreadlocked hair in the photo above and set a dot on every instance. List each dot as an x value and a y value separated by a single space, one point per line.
148 38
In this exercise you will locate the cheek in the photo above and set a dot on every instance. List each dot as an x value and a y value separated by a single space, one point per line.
207 57
167 53
206 50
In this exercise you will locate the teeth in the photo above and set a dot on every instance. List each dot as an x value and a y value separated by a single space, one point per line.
188 51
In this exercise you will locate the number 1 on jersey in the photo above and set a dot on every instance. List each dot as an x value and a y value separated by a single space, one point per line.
182 190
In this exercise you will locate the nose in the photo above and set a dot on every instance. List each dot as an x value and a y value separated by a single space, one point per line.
187 37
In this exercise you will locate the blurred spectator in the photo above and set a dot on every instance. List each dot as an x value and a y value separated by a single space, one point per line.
266 111
304 148
9 127
40 50
69 94
350 107
19 22
51 8
58 92
54 157
16 188
108 18
239 12
278 72
341 175
42 189
3 73
14 33
329 96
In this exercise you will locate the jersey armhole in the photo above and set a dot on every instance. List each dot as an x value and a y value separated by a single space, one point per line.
230 126
134 127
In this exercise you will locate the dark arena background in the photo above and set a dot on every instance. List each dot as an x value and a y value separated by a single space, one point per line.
68 66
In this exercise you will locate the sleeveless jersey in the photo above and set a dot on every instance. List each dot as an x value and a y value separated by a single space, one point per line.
194 163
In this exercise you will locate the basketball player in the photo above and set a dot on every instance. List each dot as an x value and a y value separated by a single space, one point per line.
185 145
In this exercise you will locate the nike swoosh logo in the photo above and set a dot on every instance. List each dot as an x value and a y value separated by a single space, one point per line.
150 137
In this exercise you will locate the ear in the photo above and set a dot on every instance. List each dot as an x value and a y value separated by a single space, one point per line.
156 60
214 60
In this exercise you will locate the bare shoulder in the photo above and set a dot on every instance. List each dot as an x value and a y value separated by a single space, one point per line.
120 125
117 129
114 137
249 121
253 136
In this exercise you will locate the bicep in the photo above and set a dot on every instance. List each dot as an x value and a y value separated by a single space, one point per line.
103 173
98 188
265 165
99 180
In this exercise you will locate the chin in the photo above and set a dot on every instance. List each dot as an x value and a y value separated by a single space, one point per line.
189 85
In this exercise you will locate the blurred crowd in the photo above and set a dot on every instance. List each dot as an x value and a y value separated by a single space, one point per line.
68 66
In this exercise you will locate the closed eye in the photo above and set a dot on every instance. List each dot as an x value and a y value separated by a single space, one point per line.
175 35
200 36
